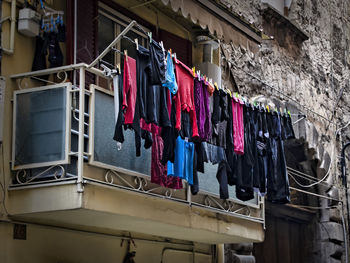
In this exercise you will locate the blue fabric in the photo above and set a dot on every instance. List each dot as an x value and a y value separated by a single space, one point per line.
170 80
183 165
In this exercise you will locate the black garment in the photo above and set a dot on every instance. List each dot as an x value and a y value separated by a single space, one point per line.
262 144
195 185
219 119
55 54
221 176
169 135
287 127
118 131
277 180
157 66
39 61
152 98
201 156
254 122
245 163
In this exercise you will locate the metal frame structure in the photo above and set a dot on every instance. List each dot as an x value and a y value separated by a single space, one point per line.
68 88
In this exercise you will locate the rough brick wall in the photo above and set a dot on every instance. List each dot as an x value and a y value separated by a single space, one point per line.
314 72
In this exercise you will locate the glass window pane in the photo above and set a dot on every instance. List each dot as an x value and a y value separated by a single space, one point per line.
105 148
105 36
209 183
40 126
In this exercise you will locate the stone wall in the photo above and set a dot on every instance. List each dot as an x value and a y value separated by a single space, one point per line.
315 74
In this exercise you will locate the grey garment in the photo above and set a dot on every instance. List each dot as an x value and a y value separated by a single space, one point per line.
218 137
214 154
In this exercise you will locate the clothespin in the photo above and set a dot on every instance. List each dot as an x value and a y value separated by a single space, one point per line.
161 44
194 71
290 115
268 108
236 95
150 36
229 92
199 74
126 54
216 86
137 43
118 68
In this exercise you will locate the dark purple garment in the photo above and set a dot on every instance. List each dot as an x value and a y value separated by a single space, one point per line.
201 103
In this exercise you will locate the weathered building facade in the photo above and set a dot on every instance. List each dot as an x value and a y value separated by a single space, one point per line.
94 203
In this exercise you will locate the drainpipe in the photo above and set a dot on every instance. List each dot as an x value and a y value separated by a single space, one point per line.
9 51
220 248
344 178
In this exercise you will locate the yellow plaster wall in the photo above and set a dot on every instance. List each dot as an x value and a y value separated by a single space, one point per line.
51 244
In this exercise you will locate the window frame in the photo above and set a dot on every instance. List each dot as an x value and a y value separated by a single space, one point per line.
67 147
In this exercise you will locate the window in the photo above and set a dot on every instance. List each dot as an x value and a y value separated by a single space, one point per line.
110 24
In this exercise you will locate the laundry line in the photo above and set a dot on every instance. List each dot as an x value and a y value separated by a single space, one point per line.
282 93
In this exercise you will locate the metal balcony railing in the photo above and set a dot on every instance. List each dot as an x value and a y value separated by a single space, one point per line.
85 144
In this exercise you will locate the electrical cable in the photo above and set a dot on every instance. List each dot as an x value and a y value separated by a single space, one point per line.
303 175
315 183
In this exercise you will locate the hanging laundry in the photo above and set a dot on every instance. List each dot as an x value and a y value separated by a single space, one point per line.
183 164
202 106
277 181
170 79
157 66
118 131
219 118
158 170
153 98
184 98
238 126
129 89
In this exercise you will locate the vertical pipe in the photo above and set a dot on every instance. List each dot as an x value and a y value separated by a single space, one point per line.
220 248
75 41
80 164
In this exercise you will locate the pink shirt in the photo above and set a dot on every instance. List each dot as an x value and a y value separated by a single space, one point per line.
129 90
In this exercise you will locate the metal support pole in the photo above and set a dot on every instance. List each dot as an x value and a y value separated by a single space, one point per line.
80 163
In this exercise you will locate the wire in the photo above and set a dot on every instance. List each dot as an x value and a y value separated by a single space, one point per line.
301 174
315 183
313 207
280 92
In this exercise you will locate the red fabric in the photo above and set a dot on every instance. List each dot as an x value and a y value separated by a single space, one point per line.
184 98
129 90
159 171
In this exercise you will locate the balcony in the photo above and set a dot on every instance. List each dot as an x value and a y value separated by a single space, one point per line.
68 171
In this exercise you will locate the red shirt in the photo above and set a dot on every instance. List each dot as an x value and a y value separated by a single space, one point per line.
184 98
129 89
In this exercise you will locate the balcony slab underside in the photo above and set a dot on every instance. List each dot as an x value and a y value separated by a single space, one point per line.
106 210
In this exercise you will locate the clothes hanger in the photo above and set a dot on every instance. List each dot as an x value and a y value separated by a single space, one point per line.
137 43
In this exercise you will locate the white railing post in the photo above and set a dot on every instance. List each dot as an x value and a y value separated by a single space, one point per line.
80 164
